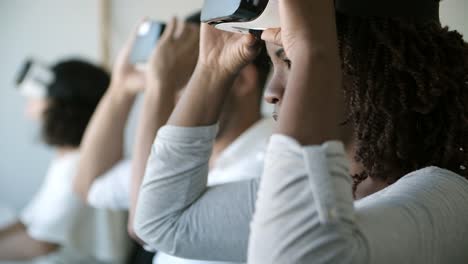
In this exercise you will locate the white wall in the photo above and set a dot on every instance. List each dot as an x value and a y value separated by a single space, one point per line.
47 29
454 13
51 29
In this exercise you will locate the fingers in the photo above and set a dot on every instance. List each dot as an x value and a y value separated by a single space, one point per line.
190 31
249 41
272 36
170 30
166 37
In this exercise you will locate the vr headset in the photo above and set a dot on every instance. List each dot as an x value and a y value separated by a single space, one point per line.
247 16
34 79
149 33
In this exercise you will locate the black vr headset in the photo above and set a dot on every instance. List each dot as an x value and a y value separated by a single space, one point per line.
34 78
245 16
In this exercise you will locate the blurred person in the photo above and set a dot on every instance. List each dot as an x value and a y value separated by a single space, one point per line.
402 93
105 175
56 226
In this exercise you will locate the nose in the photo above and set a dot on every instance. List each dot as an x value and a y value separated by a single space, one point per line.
271 99
274 92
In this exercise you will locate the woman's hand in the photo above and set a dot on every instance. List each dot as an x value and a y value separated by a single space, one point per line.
312 106
125 76
300 34
174 59
224 52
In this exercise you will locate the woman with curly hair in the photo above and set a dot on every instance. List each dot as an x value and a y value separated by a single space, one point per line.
372 98
56 227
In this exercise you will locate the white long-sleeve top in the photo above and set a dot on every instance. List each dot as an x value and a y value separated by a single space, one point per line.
305 213
241 160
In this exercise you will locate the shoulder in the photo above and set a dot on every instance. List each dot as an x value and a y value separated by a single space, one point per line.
432 180
433 190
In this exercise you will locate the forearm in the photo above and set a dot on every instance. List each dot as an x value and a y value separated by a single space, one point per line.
103 143
313 104
17 245
203 99
177 213
158 106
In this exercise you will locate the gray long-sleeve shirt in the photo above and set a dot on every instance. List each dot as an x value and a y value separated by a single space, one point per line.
306 212
178 214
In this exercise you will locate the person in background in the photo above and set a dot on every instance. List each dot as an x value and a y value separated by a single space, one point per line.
56 226
240 142
399 107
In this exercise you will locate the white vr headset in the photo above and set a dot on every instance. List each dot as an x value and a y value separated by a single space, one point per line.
34 79
248 16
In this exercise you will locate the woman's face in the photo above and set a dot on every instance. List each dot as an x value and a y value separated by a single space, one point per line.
281 67
35 108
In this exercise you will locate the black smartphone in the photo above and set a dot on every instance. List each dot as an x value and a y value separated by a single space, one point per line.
149 33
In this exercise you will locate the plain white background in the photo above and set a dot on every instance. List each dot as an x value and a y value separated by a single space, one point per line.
53 29
50 30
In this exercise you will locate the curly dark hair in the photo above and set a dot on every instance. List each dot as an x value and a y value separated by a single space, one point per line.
72 99
407 94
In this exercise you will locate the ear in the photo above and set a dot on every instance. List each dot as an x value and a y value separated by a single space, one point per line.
246 82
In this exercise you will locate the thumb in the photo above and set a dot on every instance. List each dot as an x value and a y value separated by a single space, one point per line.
272 36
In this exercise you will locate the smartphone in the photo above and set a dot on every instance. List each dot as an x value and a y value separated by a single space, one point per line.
149 33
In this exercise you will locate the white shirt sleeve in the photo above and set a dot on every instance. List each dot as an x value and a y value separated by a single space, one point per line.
305 213
57 215
54 211
112 190
178 214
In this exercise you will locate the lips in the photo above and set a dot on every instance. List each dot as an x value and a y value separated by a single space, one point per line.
275 113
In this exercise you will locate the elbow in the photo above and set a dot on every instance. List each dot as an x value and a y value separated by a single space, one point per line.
81 189
145 232
158 234
82 193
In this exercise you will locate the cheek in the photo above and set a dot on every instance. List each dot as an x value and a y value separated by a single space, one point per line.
35 109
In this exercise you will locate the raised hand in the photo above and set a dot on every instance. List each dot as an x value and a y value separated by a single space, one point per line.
226 52
125 75
300 31
174 59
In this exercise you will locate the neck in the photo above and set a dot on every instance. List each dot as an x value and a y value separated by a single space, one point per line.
233 127
369 185
62 151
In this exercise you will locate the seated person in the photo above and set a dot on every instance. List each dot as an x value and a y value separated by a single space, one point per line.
240 142
403 93
56 227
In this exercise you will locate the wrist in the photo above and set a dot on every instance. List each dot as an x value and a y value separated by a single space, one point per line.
215 76
161 88
119 94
